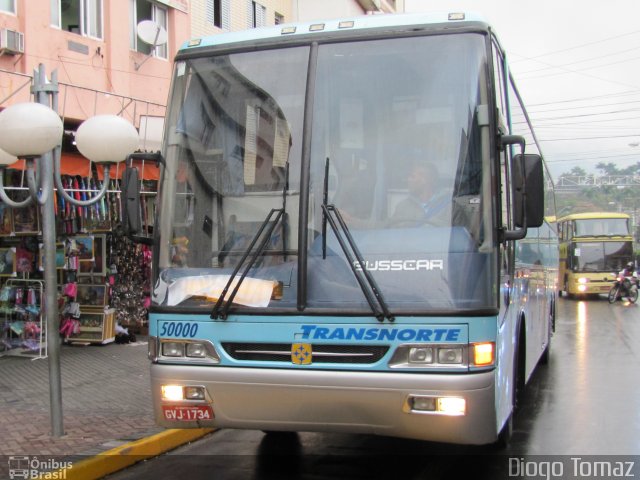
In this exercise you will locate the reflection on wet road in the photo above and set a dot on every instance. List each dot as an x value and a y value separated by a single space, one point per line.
586 400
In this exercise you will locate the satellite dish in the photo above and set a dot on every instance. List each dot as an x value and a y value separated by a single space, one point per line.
152 33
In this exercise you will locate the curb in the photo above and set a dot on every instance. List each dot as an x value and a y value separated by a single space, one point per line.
130 453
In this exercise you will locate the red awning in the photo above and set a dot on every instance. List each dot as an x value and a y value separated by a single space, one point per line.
79 165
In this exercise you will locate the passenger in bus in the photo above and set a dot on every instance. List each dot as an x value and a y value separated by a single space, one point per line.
424 205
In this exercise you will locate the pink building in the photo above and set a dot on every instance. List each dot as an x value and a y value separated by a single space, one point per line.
102 65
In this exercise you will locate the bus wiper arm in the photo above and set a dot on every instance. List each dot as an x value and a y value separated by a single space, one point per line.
325 201
218 309
366 281
285 190
371 291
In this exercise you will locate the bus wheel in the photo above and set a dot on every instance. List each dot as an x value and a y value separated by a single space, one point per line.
566 289
519 377
504 437
505 434
544 359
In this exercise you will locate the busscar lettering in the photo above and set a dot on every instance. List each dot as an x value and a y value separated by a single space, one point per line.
313 332
399 265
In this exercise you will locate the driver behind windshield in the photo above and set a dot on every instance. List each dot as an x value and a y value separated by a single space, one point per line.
425 204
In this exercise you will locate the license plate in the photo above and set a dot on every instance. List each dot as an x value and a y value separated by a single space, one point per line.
187 413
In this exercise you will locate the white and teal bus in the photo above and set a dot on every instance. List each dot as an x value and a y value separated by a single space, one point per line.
292 290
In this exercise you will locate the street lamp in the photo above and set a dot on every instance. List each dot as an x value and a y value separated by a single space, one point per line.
104 139
31 131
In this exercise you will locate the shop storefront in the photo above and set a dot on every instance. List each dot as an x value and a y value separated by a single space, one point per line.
103 277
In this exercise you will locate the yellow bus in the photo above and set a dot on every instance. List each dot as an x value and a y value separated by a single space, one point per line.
593 248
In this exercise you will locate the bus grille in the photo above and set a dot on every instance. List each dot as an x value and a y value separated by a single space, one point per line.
281 352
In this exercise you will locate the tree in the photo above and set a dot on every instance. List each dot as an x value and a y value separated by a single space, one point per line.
602 197
612 169
575 172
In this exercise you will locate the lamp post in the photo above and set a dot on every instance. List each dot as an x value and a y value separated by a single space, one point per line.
33 131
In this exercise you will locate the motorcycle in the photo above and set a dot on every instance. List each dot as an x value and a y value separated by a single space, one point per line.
624 287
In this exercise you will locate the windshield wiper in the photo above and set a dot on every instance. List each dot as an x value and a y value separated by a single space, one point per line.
365 280
220 311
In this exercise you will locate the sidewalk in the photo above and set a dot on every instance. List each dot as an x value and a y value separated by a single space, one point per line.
106 399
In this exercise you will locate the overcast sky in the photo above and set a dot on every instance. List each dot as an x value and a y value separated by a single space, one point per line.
577 66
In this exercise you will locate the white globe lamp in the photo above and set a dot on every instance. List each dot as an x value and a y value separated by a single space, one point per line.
29 130
106 139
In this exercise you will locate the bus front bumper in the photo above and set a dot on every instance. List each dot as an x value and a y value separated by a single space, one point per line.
391 404
593 288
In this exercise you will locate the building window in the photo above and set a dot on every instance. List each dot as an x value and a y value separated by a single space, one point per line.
8 6
214 12
217 13
278 19
145 10
78 16
257 15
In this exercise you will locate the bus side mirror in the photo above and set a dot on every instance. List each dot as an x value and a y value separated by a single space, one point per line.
528 191
527 181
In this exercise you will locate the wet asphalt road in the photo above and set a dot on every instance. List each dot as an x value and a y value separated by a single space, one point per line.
585 402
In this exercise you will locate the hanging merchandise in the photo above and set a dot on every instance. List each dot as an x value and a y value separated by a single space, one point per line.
22 329
70 290
69 326
25 260
129 271
93 256
116 205
102 216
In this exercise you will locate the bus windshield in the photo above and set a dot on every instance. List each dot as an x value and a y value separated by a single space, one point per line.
601 256
394 146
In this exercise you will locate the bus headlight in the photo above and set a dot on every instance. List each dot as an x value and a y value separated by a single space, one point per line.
172 349
454 406
444 356
430 355
421 355
172 393
177 393
196 350
188 351
194 393
423 404
582 284
450 355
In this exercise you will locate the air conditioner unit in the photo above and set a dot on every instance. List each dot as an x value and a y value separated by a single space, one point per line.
11 41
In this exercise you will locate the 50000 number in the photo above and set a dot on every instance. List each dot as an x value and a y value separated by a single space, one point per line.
178 329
